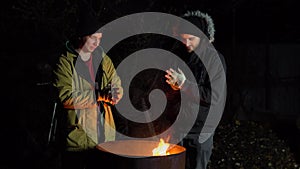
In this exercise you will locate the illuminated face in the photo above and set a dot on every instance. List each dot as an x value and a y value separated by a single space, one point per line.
190 41
92 42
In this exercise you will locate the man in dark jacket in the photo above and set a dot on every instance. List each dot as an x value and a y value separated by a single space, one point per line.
199 140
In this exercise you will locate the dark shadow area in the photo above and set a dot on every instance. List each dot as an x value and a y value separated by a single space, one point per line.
259 39
289 132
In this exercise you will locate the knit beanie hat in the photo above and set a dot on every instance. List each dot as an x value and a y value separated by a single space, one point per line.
87 22
201 20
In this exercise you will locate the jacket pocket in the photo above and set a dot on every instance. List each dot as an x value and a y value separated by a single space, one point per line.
77 138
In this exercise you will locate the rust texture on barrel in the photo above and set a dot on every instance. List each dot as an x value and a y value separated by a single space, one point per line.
137 154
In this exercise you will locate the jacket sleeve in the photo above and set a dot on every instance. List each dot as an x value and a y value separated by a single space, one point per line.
72 96
200 91
110 74
205 80
210 90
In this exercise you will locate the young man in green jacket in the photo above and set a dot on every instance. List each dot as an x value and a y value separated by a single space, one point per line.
87 85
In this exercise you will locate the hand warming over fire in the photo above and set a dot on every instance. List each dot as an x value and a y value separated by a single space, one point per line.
117 94
175 79
111 94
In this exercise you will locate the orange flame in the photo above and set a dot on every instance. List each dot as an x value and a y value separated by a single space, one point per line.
161 149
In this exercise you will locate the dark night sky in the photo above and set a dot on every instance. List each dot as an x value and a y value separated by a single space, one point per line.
239 20
254 36
260 40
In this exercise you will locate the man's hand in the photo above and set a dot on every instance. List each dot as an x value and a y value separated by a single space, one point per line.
175 79
117 94
111 94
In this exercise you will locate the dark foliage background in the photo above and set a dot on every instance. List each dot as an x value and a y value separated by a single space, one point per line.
260 42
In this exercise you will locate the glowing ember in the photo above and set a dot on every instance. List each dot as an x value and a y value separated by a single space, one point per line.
161 149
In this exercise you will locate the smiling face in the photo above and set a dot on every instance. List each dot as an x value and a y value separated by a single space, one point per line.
190 41
91 42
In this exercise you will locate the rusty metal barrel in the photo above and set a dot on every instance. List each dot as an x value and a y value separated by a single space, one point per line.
137 154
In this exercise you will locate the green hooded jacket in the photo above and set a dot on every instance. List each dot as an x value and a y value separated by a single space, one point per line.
76 92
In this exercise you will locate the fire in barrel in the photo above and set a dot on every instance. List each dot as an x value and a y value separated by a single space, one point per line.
142 154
